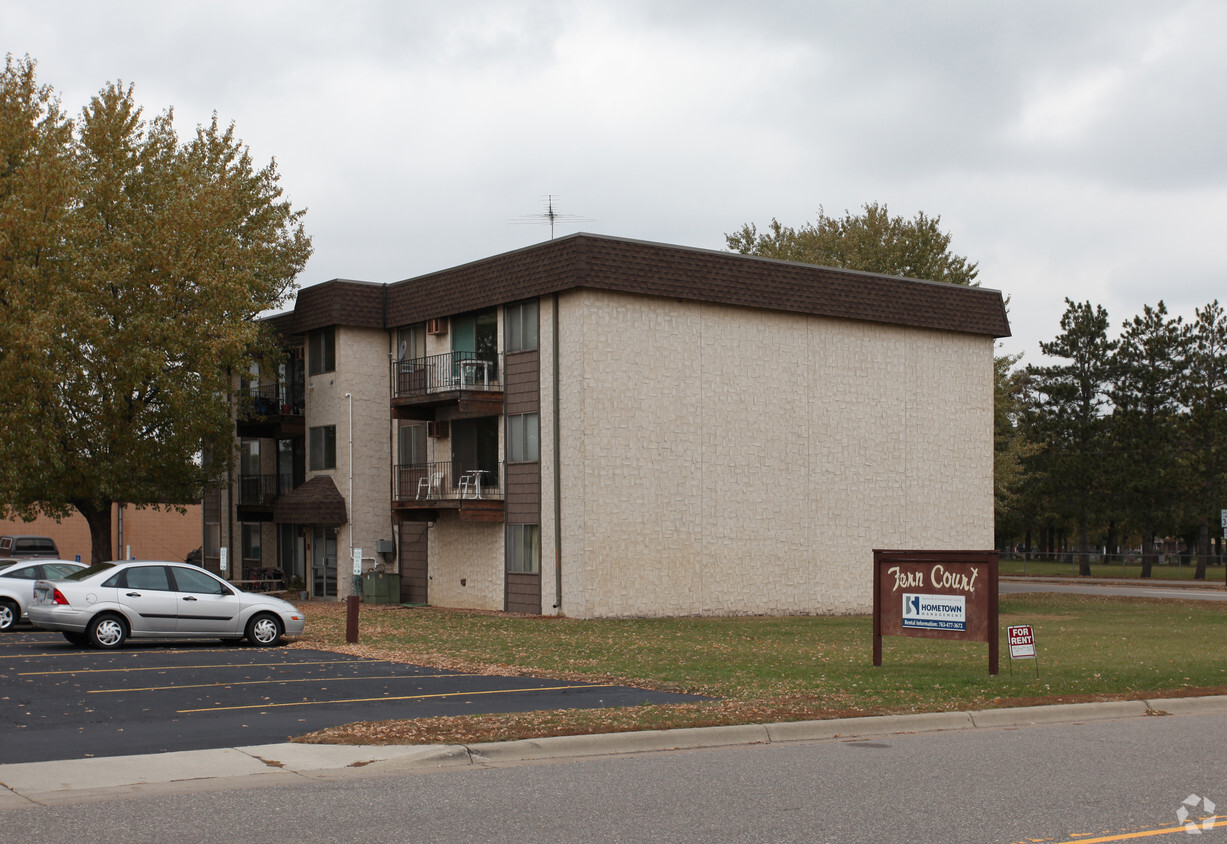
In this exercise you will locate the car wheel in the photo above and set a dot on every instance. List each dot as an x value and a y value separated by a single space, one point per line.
264 630
78 639
107 632
9 613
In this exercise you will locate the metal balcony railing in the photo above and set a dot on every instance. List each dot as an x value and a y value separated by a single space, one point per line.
453 480
446 373
264 489
272 400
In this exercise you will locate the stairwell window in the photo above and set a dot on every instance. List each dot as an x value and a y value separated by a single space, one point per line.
322 447
524 549
322 351
520 323
523 438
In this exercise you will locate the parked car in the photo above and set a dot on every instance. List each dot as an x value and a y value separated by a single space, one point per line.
28 546
17 579
106 604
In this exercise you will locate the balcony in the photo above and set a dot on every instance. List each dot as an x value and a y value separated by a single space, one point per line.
256 494
474 385
421 490
271 410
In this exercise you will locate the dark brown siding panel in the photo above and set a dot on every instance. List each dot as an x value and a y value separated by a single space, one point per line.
523 493
522 383
653 269
524 593
413 567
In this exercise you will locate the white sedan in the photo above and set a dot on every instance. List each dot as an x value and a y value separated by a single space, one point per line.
106 604
17 579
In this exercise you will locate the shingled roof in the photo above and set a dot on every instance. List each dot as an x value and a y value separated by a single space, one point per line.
654 269
317 502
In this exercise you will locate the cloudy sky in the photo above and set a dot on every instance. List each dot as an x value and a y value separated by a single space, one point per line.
1073 149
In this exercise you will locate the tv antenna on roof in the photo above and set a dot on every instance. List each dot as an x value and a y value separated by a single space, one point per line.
551 216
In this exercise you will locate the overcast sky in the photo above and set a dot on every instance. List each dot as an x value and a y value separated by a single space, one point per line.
1073 148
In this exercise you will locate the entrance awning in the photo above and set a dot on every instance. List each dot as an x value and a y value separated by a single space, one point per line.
316 502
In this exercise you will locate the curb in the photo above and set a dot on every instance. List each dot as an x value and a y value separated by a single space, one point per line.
29 784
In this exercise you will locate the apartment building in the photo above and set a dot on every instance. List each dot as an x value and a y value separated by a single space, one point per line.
599 427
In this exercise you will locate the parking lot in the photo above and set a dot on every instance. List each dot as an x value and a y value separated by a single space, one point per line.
58 701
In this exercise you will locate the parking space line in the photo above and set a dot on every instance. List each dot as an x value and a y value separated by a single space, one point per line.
223 684
192 667
390 699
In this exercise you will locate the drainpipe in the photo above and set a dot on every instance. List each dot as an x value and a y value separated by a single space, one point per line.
557 470
357 577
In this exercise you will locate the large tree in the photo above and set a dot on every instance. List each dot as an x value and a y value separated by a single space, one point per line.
129 292
872 241
1066 418
1204 393
1147 371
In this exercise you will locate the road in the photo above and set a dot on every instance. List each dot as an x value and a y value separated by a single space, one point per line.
1091 782
1016 585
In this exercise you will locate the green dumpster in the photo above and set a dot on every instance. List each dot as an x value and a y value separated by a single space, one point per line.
381 588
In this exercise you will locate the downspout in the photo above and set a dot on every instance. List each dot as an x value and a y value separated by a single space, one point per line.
357 577
557 468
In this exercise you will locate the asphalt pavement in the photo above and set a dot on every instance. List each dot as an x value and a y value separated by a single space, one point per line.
65 782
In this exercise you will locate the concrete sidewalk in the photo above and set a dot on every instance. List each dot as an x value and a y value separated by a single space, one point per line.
31 784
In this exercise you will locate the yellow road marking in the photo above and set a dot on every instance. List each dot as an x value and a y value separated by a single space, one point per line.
404 697
1149 833
276 682
194 667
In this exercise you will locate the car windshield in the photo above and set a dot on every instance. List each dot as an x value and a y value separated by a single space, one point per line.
92 570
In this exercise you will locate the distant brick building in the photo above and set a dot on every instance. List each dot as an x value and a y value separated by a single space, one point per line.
144 534
596 426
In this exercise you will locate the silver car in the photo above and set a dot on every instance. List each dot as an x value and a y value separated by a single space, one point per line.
17 579
106 604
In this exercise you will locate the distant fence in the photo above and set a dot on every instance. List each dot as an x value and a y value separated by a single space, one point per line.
1167 566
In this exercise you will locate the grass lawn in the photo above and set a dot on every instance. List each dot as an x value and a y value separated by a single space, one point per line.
780 669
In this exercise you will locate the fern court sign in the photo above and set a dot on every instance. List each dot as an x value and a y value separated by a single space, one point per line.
936 595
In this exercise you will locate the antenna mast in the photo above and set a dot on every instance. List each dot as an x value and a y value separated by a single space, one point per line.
551 216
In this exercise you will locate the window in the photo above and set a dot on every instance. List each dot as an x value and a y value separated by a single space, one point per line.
251 541
322 444
249 457
322 351
212 539
411 342
190 580
524 549
520 322
523 438
413 444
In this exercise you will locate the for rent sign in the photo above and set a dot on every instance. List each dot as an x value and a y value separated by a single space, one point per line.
935 594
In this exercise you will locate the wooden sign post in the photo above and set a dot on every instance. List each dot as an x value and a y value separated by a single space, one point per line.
936 595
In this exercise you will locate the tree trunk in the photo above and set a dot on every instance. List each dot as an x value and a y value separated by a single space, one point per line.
1084 545
98 515
1203 547
1148 553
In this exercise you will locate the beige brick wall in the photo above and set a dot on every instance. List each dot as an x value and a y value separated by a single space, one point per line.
466 563
722 460
362 370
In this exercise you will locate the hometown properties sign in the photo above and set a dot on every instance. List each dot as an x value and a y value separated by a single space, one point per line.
935 594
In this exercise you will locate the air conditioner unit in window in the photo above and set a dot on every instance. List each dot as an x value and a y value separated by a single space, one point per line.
436 326
437 429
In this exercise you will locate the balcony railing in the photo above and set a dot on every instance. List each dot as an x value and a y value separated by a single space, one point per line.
451 372
453 480
264 489
272 400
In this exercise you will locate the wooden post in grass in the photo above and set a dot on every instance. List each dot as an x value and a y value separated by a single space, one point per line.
351 619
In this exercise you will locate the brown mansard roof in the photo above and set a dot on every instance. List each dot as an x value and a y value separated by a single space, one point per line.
654 269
